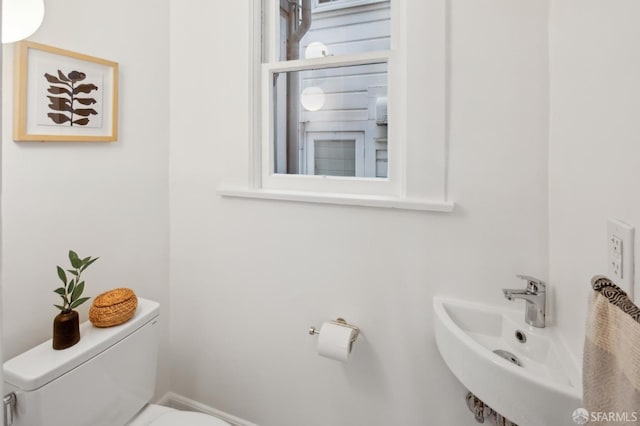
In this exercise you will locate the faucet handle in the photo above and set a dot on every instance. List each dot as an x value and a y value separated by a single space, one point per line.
534 285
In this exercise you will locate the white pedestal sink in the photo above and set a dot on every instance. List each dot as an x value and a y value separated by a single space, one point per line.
543 391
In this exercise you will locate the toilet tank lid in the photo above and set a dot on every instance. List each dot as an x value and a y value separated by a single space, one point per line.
40 365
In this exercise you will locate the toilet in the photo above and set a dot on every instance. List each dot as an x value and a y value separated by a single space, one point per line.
106 379
158 415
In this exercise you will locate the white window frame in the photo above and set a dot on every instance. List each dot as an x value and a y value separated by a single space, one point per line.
312 183
417 115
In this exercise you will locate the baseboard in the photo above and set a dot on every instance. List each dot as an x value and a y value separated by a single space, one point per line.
180 402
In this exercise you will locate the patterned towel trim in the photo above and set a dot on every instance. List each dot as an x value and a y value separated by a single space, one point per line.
616 296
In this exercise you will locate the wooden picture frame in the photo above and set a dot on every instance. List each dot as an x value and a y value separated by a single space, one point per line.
61 95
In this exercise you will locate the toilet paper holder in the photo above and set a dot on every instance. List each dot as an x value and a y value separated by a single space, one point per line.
341 322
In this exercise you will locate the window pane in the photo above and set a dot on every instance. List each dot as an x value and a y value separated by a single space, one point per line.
307 31
335 157
335 105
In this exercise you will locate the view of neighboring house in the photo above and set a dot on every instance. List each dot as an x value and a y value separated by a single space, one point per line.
332 120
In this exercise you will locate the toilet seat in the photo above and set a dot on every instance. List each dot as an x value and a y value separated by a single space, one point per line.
187 418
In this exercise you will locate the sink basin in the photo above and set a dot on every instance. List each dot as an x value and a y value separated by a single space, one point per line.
543 390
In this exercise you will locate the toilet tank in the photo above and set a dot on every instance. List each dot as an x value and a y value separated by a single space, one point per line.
104 380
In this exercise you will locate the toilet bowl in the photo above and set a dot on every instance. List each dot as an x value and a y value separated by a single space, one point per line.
158 415
109 376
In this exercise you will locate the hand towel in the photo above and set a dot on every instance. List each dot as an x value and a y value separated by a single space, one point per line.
611 368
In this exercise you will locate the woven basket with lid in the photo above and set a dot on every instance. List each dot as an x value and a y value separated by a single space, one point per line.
113 307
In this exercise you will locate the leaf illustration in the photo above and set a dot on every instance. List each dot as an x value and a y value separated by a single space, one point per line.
58 90
62 77
86 101
67 86
85 88
60 108
55 99
58 118
76 76
60 104
52 79
85 112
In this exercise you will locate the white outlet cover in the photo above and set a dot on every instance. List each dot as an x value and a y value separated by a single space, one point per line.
620 237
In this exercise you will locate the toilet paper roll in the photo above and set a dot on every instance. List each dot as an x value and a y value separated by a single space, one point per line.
335 341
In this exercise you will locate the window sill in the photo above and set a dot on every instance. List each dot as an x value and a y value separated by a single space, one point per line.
339 199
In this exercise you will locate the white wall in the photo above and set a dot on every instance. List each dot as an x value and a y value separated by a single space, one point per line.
594 155
101 199
248 277
1 94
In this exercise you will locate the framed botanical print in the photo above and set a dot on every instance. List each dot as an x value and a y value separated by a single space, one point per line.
60 95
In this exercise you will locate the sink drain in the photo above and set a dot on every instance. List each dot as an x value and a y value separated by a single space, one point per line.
508 356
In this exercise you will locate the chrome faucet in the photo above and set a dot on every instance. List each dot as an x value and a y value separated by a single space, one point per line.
535 296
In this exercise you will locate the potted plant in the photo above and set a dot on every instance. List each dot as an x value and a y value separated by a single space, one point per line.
66 325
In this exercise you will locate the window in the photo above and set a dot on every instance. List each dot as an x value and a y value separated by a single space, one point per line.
350 100
331 95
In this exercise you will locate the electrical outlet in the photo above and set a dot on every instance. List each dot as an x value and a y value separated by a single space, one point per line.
620 242
616 245
615 257
616 268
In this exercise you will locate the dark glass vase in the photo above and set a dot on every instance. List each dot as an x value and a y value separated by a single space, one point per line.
66 330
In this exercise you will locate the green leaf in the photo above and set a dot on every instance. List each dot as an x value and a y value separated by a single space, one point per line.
74 259
86 265
72 285
59 307
62 275
60 291
77 292
79 302
73 271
